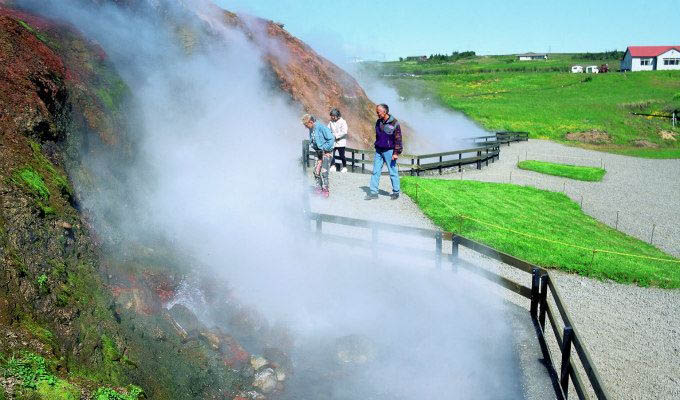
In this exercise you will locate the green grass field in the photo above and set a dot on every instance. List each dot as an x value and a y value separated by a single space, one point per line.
541 215
542 98
577 172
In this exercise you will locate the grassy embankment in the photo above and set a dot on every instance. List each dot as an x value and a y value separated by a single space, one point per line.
577 172
544 99
523 215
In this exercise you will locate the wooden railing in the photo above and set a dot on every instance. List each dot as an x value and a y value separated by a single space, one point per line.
541 286
485 149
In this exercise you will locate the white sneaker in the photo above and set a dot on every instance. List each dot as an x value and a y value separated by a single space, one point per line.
344 170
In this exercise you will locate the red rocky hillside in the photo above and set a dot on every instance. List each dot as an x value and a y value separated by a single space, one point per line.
311 80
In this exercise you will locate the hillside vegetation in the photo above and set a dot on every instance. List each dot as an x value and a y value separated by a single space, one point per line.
544 99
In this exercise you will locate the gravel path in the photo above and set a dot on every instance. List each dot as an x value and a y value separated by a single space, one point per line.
632 333
645 192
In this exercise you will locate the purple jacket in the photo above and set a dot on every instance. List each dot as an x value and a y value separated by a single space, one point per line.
388 135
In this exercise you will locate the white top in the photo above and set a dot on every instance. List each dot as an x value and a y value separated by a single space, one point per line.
339 129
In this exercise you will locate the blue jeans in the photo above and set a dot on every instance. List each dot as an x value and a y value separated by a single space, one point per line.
380 158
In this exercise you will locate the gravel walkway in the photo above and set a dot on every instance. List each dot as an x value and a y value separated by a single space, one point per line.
632 333
644 192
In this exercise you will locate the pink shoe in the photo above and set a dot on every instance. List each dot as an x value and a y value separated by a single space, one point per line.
318 191
325 193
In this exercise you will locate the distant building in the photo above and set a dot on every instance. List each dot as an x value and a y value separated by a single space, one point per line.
576 69
592 69
532 56
651 58
416 58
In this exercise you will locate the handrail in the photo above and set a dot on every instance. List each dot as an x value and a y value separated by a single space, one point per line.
485 151
542 283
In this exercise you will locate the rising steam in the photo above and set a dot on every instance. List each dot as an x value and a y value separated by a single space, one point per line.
216 173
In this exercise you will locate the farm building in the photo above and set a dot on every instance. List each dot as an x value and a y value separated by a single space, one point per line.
651 58
532 56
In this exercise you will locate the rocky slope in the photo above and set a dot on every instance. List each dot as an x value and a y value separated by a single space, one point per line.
311 80
79 318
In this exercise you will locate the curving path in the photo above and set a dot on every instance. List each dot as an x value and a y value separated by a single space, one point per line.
632 333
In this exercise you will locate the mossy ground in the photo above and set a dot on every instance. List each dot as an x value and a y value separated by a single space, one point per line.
43 179
37 34
38 380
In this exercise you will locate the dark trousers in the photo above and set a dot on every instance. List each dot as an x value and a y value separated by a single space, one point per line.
341 157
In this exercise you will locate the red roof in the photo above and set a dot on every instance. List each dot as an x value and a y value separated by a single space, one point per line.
649 51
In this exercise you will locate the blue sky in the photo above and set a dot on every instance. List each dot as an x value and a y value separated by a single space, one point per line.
390 29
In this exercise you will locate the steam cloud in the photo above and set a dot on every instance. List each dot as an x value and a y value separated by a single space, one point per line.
217 174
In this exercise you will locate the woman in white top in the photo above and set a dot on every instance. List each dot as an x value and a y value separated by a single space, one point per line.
339 128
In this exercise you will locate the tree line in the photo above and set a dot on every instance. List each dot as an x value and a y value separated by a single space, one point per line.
455 56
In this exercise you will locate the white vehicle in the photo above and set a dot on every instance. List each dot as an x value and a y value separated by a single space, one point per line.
592 69
576 69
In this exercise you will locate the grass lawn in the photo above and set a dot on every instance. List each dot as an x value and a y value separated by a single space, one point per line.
540 214
540 97
580 173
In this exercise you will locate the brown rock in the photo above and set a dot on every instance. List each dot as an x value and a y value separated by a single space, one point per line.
645 144
213 339
265 380
594 137
668 135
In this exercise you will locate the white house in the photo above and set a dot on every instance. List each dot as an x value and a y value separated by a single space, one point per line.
532 56
651 58
576 69
592 69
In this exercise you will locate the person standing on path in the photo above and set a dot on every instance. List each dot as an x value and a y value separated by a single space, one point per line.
322 141
338 126
387 149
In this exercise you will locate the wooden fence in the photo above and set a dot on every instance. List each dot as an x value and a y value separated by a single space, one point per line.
673 116
486 148
541 286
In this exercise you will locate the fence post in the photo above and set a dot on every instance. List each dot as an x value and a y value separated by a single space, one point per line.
460 162
418 169
568 337
534 292
438 249
318 229
440 165
455 240
412 161
543 301
305 156
352 160
374 241
617 221
363 158
479 162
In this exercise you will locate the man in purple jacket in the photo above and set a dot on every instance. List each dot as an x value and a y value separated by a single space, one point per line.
387 149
